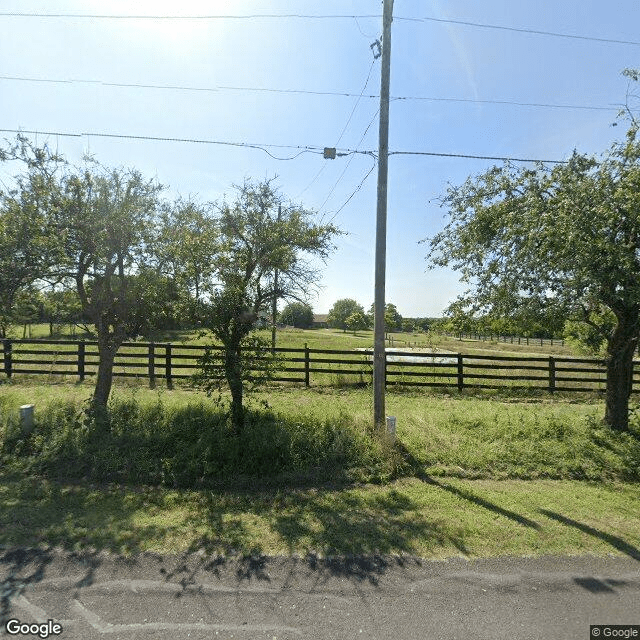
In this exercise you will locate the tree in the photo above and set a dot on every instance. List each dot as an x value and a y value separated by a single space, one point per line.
567 237
341 310
409 325
61 306
187 245
155 303
357 321
253 242
28 309
28 243
298 315
392 319
105 220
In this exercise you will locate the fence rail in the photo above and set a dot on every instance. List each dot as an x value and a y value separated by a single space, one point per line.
494 337
171 362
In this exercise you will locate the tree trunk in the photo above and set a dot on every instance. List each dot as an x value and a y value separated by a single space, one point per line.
620 350
233 372
107 349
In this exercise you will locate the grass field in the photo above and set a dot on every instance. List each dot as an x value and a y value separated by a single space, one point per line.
469 475
333 339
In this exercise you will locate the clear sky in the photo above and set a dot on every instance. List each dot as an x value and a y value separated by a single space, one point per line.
460 71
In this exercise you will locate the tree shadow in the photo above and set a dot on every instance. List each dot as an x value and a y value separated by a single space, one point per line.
614 541
417 470
23 567
20 568
595 585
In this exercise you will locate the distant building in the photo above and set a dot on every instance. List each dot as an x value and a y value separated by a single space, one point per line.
320 321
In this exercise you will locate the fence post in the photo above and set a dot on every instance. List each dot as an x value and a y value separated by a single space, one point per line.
385 369
460 373
7 346
81 361
306 364
552 374
152 366
167 367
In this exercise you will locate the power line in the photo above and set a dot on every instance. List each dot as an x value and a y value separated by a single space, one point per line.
351 159
344 204
262 147
253 16
306 92
537 32
260 16
249 145
474 157
322 168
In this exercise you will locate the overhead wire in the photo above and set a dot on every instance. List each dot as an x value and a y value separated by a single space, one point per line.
537 32
263 146
351 159
307 92
355 106
260 16
344 204
249 145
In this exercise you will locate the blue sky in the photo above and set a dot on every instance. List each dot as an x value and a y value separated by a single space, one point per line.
458 67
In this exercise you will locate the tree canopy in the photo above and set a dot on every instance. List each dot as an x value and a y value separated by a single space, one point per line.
258 233
341 310
298 315
564 240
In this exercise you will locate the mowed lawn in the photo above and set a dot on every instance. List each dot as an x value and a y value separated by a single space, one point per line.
475 476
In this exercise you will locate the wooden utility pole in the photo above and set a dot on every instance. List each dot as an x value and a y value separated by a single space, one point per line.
274 302
379 356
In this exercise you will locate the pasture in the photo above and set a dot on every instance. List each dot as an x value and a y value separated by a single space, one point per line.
328 357
478 473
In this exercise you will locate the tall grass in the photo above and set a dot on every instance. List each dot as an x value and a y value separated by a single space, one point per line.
192 445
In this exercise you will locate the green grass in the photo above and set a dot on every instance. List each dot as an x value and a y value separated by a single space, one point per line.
436 519
335 339
470 475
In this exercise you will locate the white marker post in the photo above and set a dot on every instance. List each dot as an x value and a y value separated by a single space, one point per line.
26 418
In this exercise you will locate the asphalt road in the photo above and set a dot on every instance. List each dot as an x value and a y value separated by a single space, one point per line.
196 597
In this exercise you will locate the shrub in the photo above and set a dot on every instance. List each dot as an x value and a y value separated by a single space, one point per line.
192 446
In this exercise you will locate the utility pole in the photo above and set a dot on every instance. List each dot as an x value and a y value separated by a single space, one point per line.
379 356
274 302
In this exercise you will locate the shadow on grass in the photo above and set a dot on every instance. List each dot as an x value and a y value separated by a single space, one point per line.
614 541
337 531
417 470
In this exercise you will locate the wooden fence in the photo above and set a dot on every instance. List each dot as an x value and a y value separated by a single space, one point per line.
522 340
170 362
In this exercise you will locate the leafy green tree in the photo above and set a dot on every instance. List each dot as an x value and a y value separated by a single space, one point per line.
61 306
106 223
409 325
254 241
567 236
357 321
155 304
589 334
28 309
392 319
341 310
28 241
187 245
297 314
